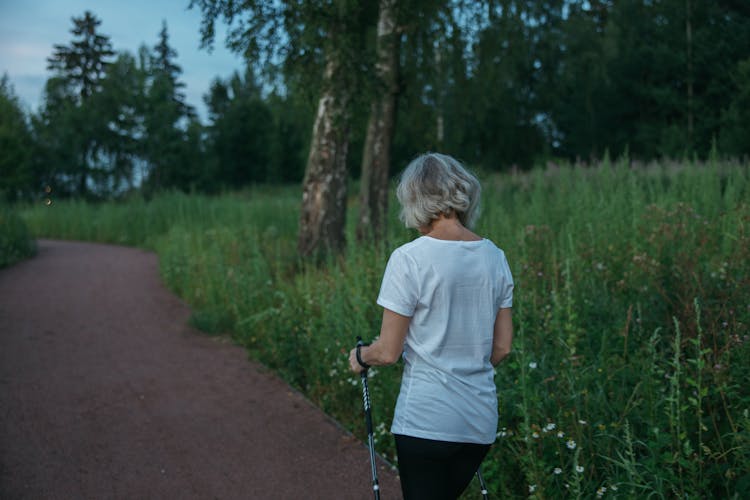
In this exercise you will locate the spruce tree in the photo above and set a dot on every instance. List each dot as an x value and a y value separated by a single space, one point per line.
79 69
83 63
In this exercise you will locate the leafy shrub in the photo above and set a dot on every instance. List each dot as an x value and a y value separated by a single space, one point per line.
16 243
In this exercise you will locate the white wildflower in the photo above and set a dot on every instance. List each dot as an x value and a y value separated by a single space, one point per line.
571 444
579 468
532 488
550 427
557 471
533 365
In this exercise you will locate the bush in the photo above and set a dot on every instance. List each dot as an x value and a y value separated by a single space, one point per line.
16 242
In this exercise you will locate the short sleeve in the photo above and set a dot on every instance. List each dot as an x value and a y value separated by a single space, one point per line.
506 284
399 291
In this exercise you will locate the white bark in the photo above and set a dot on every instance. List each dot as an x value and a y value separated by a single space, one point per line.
323 211
376 158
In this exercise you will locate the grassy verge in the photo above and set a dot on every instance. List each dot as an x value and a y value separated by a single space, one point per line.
16 242
629 375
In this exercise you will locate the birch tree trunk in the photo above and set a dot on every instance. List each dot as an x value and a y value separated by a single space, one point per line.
323 211
376 157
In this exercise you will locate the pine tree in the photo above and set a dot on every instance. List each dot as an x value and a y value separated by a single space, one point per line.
83 62
79 70
167 116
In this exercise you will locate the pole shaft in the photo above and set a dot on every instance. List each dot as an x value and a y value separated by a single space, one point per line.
368 423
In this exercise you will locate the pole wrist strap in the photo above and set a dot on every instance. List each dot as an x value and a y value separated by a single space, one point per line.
359 357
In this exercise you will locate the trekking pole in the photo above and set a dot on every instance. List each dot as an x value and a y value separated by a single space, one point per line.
485 493
368 422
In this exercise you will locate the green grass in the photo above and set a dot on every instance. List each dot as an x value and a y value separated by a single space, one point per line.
629 372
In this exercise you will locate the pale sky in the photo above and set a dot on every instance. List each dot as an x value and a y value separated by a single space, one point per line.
30 28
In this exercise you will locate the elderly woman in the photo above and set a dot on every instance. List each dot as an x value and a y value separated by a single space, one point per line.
447 300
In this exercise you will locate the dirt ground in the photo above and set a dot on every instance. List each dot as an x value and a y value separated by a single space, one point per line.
106 392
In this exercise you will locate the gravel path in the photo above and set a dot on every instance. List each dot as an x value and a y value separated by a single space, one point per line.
105 392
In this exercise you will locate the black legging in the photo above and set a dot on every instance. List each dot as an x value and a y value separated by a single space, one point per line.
436 470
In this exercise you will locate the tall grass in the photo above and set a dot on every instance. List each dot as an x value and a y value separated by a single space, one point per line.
630 365
141 222
16 242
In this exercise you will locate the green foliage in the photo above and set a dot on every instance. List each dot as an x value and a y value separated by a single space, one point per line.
83 63
498 84
16 175
628 375
172 152
16 242
58 143
292 122
138 221
85 131
73 127
119 105
296 40
621 314
239 135
109 126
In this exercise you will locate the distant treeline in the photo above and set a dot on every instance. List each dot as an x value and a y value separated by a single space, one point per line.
496 83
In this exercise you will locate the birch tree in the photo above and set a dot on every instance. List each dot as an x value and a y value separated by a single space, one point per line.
320 41
376 157
422 20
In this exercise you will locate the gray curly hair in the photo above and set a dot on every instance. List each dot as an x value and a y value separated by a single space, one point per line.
435 184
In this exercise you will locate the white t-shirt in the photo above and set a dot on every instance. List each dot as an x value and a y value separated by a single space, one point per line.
452 290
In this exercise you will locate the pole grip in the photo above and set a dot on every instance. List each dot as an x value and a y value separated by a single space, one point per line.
365 366
368 422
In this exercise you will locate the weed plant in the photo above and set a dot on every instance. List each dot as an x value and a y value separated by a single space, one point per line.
629 373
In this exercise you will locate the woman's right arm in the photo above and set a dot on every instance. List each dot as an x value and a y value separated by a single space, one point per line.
502 336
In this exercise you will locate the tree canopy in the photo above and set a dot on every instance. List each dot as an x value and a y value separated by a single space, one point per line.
497 83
